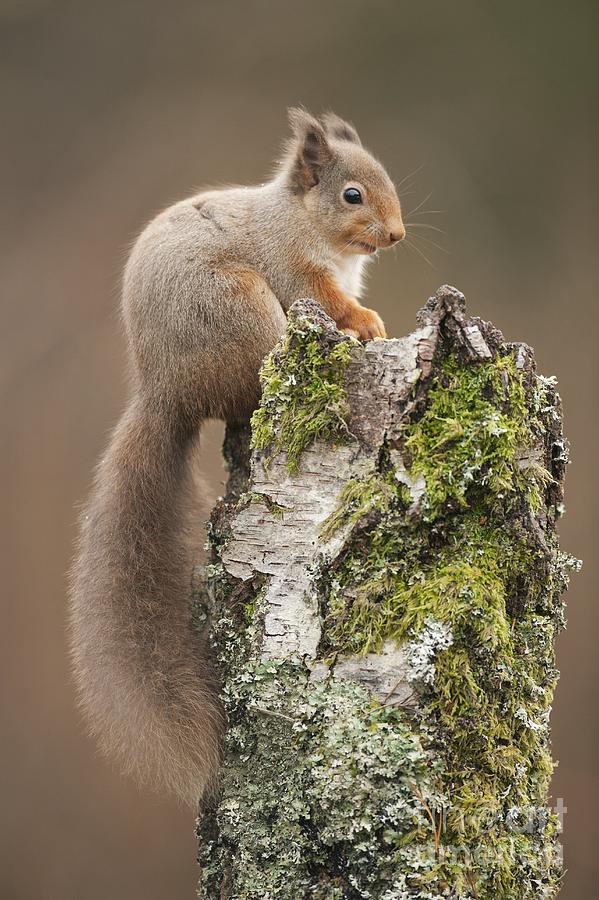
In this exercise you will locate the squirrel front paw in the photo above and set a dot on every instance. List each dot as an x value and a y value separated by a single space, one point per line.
362 323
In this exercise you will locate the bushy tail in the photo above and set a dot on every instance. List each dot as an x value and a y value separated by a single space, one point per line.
143 675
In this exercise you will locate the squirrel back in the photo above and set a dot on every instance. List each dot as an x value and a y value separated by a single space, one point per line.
205 293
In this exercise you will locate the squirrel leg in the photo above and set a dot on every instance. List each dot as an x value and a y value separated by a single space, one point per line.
251 322
223 322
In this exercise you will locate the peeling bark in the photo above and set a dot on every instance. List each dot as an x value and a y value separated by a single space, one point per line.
384 615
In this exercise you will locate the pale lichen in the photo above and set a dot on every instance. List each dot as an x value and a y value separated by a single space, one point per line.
421 652
319 789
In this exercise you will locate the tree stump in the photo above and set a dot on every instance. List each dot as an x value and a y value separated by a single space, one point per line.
384 594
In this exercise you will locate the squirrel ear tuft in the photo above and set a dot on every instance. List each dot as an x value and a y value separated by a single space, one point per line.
338 128
310 149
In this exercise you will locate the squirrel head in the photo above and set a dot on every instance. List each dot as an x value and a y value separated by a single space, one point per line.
347 193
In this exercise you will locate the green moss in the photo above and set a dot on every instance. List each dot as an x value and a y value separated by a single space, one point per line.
303 393
404 581
380 492
475 424
277 509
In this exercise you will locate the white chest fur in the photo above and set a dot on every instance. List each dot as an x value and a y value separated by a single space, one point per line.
349 273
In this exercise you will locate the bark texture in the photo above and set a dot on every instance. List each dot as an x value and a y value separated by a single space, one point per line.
384 595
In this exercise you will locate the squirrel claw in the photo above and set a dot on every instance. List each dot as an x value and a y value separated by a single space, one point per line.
364 324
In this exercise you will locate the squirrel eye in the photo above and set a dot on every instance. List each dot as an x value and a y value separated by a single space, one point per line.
352 195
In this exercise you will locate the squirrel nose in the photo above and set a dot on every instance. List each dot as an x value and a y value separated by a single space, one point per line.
398 234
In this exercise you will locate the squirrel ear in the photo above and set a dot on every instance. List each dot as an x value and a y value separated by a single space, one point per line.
338 128
311 149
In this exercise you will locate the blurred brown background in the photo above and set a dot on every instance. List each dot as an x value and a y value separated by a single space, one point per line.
110 110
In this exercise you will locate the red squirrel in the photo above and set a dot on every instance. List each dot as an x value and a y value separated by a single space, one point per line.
205 293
